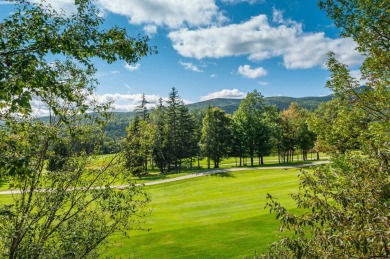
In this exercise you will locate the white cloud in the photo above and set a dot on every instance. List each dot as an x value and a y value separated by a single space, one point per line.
242 1
150 30
132 68
190 66
262 83
126 102
173 14
213 75
258 40
225 93
248 72
67 6
170 13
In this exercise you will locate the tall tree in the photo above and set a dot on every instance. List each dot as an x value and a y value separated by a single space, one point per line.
157 118
142 112
137 146
180 131
172 122
290 124
142 109
248 119
216 134
188 144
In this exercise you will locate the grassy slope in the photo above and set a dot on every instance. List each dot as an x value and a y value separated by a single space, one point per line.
210 217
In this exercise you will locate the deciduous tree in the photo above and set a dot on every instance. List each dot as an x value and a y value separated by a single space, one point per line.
216 135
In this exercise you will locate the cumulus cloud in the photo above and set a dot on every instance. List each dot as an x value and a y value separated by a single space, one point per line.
258 40
190 66
132 68
248 72
225 93
173 14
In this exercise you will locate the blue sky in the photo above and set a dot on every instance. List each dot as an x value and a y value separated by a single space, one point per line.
220 48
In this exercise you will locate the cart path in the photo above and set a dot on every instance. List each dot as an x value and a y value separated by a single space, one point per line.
189 176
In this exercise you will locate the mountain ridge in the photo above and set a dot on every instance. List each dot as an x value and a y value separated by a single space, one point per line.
230 105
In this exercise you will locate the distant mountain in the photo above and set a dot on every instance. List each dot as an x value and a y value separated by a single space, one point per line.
228 105
282 102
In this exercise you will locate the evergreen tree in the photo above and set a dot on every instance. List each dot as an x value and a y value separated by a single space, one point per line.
172 123
159 148
142 109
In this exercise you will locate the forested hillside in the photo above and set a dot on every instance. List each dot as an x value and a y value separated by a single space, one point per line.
281 102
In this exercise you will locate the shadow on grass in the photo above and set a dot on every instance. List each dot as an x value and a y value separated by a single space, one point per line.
223 174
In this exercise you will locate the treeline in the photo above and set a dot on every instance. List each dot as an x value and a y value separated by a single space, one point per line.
169 136
116 127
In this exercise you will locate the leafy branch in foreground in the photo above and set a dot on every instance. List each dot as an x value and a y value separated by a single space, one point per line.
70 210
62 205
345 213
346 206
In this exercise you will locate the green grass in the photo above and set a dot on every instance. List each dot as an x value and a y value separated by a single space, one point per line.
6 199
3 185
219 216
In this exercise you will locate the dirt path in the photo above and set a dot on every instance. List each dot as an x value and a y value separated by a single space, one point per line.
189 176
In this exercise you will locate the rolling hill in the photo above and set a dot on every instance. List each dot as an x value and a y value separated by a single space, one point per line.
282 102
